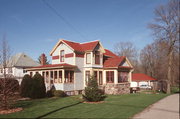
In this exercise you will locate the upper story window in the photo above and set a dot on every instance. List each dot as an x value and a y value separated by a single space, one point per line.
97 57
88 58
62 56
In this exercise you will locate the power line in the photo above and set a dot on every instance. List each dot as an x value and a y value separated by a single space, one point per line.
63 18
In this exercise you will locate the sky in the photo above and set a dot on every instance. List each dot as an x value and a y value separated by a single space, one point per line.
32 27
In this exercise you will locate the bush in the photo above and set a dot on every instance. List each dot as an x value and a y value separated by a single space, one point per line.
175 89
59 93
26 86
49 93
38 89
92 93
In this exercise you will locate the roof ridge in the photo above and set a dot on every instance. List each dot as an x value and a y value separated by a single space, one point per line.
89 42
70 41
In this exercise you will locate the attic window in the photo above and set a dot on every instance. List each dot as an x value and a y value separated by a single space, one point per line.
62 56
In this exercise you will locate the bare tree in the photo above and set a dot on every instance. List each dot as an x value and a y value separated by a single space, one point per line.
129 50
166 28
8 85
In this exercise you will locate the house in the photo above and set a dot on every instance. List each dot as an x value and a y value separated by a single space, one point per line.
73 63
142 81
17 64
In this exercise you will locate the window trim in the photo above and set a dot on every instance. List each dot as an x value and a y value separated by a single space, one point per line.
109 76
86 58
62 56
97 55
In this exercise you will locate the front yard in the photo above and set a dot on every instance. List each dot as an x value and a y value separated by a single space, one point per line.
115 106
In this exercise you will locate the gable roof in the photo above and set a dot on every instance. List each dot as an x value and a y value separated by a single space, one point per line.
78 47
109 53
89 45
141 77
22 60
113 62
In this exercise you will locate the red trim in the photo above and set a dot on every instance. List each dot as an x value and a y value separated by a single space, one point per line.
55 57
69 55
79 55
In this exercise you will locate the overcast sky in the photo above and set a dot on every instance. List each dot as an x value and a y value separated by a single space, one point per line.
33 27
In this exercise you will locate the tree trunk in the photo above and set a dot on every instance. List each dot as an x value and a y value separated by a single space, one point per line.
169 76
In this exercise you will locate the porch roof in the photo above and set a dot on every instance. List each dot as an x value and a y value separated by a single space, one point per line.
51 66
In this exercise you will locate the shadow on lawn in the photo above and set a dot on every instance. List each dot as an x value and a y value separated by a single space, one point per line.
57 110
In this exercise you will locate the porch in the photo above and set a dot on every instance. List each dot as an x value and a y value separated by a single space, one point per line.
58 76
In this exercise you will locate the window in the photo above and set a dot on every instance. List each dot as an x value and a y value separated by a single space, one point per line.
47 77
69 76
43 74
1 70
24 71
87 76
97 57
110 76
51 77
55 76
122 77
88 58
62 56
60 76
95 75
100 78
31 74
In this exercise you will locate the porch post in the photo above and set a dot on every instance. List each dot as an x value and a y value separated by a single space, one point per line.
115 76
49 79
104 77
57 76
130 75
63 76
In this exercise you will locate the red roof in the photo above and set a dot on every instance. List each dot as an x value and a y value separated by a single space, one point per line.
75 46
89 45
141 77
113 62
83 46
53 66
109 53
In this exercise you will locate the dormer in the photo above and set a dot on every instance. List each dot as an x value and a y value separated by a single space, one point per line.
93 54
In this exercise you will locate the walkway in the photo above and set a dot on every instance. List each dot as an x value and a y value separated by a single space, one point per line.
167 108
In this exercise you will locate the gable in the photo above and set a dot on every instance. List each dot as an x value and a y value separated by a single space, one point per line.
62 46
125 63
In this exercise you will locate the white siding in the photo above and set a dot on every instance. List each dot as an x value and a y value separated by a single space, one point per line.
79 77
67 50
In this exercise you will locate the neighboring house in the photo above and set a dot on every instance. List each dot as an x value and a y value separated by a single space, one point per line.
73 64
142 81
17 64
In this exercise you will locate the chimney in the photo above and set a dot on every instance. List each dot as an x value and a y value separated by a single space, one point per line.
43 60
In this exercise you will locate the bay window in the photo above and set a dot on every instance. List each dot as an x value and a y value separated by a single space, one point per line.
122 77
110 76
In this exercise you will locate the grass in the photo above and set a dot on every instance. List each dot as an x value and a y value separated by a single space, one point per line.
115 106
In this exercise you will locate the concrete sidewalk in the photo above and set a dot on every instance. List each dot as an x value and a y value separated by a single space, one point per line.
167 108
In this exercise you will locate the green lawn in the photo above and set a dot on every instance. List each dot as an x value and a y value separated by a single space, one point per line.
115 106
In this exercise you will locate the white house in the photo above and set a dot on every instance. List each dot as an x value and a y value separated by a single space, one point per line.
17 64
73 63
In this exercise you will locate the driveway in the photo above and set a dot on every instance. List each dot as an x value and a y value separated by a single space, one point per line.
167 108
